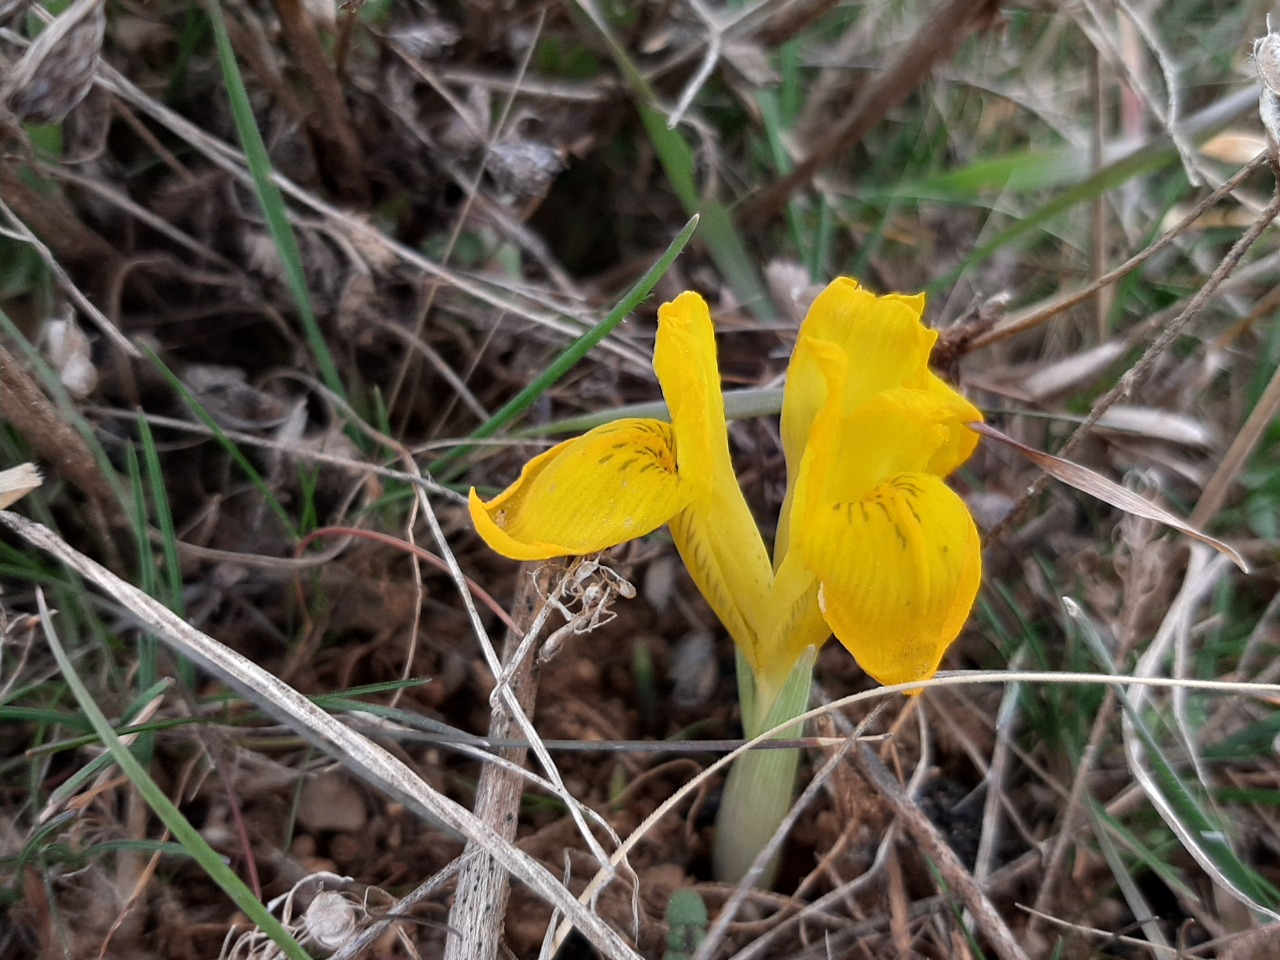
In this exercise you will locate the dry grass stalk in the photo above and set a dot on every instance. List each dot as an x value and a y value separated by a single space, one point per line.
937 38
931 843
360 755
480 902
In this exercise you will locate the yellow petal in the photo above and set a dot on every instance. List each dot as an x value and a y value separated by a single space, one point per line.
899 571
721 546
883 338
850 452
615 483
684 358
961 441
886 346
794 623
716 534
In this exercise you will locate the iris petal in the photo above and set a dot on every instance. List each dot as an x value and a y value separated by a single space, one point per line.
895 551
961 441
885 345
717 536
617 482
883 338
899 571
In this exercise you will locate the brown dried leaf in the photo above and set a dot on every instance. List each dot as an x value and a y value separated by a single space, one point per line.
1108 491
1055 378
56 72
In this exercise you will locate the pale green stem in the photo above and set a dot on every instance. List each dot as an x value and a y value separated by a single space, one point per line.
761 784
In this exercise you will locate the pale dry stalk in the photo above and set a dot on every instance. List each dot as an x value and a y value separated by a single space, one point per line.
479 907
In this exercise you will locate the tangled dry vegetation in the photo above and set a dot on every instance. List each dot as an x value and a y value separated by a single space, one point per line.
268 271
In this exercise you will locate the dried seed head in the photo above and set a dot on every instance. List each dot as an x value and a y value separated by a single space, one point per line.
56 72
330 920
71 355
1266 58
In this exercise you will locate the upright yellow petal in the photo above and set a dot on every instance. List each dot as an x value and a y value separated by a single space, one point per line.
615 483
684 358
883 338
716 534
899 571
885 345
851 451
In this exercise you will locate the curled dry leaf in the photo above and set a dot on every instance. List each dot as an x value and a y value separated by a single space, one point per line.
1234 146
56 72
1108 491
17 482
331 920
71 355
1066 374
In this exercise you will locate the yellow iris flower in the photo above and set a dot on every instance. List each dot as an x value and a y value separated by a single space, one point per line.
871 544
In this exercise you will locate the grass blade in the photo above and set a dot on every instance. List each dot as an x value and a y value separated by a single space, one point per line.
272 202
164 808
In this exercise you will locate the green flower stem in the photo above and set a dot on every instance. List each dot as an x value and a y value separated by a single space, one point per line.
761 783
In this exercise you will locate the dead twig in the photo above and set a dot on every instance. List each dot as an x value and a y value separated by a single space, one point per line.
931 845
332 132
1027 320
937 39
1139 371
56 441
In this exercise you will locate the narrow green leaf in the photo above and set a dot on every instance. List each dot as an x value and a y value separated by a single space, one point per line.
270 199
562 364
1205 837
169 814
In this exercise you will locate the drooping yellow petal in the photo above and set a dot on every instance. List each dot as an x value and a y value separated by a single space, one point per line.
716 535
615 483
899 571
895 552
